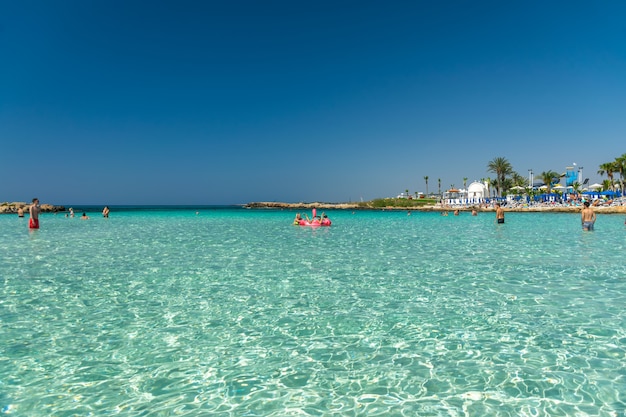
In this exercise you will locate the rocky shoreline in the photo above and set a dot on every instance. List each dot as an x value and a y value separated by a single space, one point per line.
318 205
12 208
364 206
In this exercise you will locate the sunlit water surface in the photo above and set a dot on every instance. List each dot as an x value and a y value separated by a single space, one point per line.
234 312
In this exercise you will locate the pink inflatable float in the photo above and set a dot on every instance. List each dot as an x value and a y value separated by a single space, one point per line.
316 221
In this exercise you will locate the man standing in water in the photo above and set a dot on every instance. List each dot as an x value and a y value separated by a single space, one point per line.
33 222
499 213
587 217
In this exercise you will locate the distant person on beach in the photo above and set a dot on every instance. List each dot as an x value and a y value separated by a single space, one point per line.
105 212
84 216
587 217
20 212
33 222
499 213
474 212
71 212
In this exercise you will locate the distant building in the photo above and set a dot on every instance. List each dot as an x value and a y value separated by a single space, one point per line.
477 192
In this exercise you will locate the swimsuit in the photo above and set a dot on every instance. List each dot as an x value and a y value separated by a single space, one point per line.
33 224
588 225
500 220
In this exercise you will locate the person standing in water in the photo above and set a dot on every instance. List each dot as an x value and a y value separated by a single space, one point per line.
587 217
499 213
33 222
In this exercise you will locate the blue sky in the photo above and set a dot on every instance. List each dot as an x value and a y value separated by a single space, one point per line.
206 102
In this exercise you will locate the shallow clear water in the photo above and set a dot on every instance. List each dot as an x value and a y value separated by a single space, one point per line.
235 312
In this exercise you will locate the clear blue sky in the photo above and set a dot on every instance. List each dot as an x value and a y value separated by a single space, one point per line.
206 102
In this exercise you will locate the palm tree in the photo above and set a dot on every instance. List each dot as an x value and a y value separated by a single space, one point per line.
547 177
426 179
506 184
465 182
518 180
608 168
487 182
439 183
606 185
501 167
620 164
494 186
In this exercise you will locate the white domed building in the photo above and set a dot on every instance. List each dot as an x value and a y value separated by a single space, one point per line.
477 192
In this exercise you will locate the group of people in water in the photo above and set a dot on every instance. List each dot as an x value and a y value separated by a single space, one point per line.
35 209
587 215
322 220
84 216
457 212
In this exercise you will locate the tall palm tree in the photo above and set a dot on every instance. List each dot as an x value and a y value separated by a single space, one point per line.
620 164
465 182
547 177
426 179
439 183
501 167
608 168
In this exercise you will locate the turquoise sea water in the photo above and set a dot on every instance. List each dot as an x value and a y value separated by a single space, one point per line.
234 312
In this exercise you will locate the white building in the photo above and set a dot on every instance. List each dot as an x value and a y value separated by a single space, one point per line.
477 192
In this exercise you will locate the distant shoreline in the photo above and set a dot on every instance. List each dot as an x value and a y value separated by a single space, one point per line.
12 208
362 206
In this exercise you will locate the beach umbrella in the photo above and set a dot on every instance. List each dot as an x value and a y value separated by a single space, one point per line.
595 186
558 187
